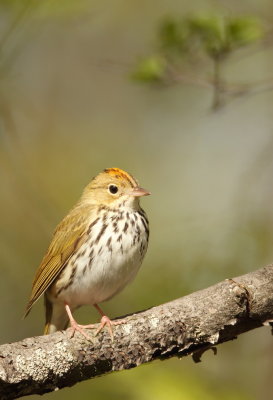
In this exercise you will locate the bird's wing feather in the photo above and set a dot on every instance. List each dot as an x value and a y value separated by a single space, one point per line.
68 237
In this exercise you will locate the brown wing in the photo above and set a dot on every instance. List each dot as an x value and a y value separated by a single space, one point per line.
68 237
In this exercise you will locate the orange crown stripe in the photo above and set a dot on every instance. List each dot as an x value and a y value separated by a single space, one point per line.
119 174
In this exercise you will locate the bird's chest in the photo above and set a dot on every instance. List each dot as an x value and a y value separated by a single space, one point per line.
109 258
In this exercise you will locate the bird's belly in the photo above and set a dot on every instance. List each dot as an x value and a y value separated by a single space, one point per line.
98 271
107 276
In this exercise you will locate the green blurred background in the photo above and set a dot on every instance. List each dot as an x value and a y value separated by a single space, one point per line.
69 108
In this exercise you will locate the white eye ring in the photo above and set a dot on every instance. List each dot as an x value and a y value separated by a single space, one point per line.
113 189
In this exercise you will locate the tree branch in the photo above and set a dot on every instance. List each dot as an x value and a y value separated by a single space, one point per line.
188 325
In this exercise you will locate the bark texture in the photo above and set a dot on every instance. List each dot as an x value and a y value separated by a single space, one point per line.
188 325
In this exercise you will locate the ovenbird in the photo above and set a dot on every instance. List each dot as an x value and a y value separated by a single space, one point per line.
95 252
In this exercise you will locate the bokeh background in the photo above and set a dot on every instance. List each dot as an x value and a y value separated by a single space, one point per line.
69 108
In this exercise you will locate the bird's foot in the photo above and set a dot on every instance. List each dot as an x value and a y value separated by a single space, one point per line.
75 326
79 328
106 321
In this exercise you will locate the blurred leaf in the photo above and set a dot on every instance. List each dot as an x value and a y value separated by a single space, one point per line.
150 69
173 35
217 35
211 33
243 31
220 35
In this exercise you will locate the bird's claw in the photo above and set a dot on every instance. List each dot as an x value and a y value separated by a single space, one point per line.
79 328
107 321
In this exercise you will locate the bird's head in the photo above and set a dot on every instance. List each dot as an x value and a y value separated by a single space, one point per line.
112 188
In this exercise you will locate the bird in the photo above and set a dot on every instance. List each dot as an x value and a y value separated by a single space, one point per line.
96 250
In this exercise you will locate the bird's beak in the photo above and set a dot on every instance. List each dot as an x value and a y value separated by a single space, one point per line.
138 192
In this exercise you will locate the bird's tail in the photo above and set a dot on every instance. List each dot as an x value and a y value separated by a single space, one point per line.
56 317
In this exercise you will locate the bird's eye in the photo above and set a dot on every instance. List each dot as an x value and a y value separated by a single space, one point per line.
113 189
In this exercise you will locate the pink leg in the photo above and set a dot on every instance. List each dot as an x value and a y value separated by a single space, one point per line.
106 321
75 326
